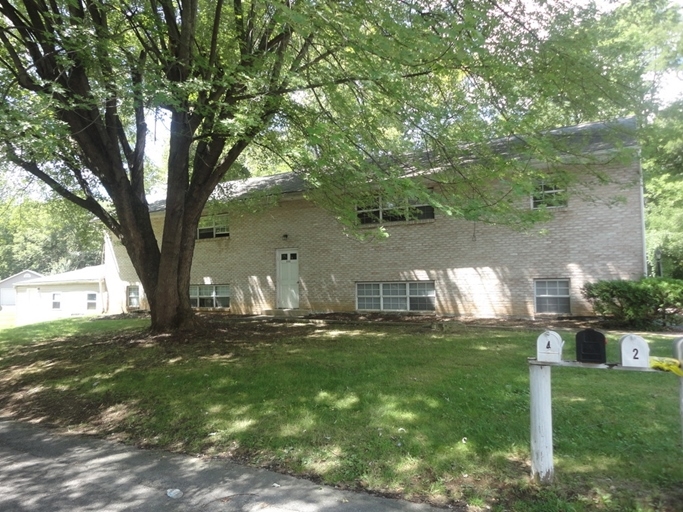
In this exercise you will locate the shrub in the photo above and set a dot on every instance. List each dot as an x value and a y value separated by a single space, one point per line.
645 303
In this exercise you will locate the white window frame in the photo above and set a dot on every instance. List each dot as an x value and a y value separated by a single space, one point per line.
548 195
57 300
380 213
402 296
90 304
548 296
202 294
130 295
213 226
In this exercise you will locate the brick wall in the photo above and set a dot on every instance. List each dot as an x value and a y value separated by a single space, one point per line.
479 270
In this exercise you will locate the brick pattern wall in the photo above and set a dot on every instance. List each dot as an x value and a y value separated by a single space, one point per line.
479 270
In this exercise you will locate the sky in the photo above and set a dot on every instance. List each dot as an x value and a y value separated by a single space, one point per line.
672 88
672 84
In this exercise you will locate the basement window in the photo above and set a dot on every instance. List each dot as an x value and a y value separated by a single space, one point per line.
210 295
396 296
552 296
133 297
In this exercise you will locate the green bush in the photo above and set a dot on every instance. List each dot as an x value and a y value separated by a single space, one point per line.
648 302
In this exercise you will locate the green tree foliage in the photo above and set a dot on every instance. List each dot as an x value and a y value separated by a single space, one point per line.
663 167
662 140
47 236
339 91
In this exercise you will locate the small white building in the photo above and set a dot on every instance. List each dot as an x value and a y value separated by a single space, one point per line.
7 293
76 293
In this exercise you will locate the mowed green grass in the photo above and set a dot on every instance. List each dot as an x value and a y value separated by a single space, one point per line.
7 317
398 409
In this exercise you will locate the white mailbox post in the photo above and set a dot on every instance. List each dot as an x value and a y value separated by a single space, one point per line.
678 349
549 347
678 354
635 352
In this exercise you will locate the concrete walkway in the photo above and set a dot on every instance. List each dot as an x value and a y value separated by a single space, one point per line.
43 470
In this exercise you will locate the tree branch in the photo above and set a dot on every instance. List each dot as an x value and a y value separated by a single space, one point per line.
316 85
242 40
89 203
213 53
22 75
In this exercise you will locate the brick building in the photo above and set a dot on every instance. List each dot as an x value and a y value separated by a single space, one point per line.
294 255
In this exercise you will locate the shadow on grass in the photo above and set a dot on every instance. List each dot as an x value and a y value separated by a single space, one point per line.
397 409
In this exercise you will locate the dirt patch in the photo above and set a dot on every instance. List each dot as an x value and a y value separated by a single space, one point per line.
443 322
249 324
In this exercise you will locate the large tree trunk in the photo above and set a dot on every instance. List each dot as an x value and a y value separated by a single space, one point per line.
169 298
170 301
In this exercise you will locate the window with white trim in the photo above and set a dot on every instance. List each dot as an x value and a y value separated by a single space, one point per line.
91 302
384 211
133 297
210 295
548 195
552 296
213 226
56 301
396 296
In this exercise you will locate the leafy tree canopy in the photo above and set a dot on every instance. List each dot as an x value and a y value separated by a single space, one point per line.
336 90
663 167
47 236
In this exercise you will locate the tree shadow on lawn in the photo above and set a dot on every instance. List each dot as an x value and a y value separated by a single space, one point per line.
394 409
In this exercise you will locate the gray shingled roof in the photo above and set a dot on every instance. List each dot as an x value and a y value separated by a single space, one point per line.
589 138
586 139
285 183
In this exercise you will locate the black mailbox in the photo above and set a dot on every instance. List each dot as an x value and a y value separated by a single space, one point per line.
590 346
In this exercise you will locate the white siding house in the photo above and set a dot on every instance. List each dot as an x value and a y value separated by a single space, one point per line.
76 293
7 293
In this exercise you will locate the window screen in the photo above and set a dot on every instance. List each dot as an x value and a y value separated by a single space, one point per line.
552 296
396 296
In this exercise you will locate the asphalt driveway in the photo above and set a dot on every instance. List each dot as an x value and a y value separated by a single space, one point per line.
45 470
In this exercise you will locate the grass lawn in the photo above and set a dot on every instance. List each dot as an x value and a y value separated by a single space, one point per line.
7 317
402 410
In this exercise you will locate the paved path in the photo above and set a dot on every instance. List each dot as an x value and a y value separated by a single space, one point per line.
43 470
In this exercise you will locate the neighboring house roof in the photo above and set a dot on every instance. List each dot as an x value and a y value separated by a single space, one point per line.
584 139
92 274
32 273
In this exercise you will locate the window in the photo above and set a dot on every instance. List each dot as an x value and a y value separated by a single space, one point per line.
385 211
133 300
56 301
552 296
209 296
91 302
400 296
548 195
213 226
